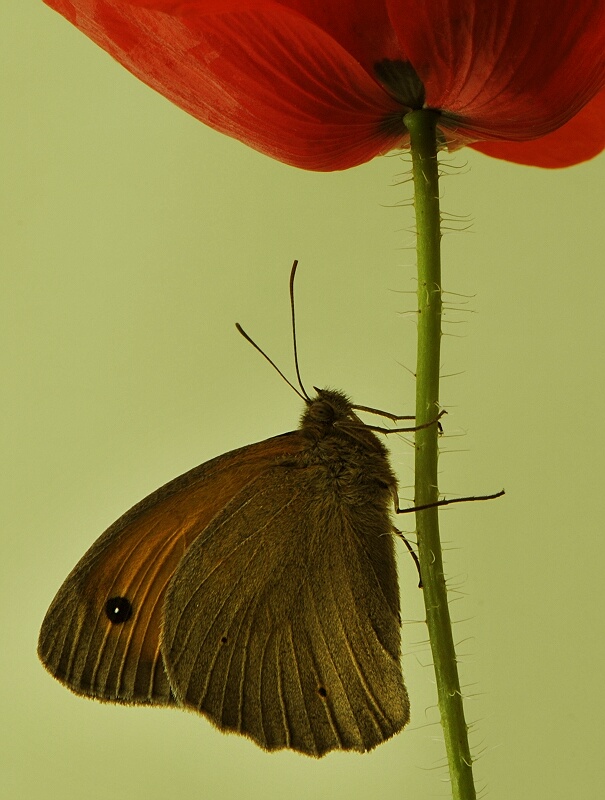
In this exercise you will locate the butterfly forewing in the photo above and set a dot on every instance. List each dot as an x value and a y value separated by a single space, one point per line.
132 564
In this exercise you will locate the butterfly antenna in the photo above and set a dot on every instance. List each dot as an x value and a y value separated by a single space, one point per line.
273 364
300 383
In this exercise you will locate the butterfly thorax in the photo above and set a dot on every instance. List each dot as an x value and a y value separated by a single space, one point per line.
350 455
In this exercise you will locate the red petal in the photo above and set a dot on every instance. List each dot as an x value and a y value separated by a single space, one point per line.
269 77
581 139
362 27
505 69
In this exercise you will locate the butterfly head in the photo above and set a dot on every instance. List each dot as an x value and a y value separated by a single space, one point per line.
326 412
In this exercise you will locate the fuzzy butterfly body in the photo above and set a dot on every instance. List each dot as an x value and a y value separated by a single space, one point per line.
259 589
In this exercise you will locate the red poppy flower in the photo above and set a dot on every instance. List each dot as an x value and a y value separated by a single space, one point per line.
324 84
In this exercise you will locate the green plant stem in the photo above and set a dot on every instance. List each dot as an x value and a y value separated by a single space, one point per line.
422 128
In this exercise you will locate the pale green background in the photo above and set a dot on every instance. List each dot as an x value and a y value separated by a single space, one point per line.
133 238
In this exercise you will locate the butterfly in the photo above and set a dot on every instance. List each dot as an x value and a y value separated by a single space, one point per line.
258 589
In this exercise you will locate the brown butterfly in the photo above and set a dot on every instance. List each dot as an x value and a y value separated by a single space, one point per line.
259 589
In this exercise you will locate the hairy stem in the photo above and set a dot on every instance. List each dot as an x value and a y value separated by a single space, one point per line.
422 128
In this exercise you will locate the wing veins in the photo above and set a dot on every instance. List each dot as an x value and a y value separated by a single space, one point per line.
377 708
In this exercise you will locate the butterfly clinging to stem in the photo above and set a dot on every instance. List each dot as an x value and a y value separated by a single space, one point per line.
258 589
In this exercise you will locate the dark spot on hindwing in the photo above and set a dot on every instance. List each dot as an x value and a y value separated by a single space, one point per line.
321 691
118 610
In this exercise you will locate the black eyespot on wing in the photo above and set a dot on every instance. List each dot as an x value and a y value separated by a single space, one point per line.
118 610
321 691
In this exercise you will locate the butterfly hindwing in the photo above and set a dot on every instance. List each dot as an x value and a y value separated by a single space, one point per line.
282 620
